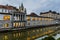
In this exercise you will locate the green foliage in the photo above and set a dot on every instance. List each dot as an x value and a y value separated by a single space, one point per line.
48 38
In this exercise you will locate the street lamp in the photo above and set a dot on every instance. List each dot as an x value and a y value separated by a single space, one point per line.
56 25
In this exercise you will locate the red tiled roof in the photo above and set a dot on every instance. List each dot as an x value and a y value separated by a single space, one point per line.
8 7
53 12
33 14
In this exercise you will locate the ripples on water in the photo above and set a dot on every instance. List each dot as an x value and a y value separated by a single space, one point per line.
41 38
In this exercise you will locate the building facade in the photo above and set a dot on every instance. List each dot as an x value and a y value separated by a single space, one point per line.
51 14
12 17
35 20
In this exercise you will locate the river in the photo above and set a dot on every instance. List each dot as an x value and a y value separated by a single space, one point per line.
56 36
29 34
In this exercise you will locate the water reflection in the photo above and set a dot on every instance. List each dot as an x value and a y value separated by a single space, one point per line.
29 34
5 37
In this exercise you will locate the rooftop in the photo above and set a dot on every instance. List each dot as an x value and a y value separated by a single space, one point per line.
8 7
53 12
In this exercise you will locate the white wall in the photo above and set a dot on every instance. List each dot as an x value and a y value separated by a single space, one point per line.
43 22
6 10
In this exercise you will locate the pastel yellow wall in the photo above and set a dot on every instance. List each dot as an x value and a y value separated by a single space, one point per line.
49 15
38 18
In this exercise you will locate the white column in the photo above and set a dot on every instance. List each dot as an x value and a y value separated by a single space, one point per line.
20 17
25 17
15 16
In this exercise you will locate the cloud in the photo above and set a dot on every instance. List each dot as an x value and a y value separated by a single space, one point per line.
35 5
29 4
49 5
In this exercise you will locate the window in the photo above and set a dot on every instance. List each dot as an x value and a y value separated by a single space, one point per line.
7 11
33 19
37 19
40 19
5 25
14 24
28 19
28 23
23 24
6 17
17 24
4 10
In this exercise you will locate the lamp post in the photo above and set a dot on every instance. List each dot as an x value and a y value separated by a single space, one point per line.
56 25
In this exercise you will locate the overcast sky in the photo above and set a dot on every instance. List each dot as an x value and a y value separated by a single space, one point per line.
36 6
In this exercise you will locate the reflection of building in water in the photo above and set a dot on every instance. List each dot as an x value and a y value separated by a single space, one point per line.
29 34
5 37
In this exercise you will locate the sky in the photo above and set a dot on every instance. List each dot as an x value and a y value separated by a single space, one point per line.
36 6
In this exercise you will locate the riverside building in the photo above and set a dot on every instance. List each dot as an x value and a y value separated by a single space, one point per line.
37 20
11 17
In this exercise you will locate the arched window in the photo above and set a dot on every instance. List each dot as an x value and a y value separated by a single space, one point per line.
5 25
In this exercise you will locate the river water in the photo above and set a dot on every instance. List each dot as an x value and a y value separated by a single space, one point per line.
20 35
28 34
56 36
